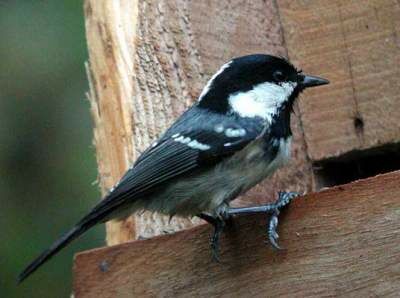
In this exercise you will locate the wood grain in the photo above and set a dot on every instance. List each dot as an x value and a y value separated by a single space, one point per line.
343 241
355 44
110 95
148 61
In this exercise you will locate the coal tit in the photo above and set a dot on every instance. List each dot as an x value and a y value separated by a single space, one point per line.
234 136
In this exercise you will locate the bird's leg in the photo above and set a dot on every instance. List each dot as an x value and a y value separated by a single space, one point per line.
218 223
284 198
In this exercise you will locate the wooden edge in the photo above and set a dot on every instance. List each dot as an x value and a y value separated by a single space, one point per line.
340 241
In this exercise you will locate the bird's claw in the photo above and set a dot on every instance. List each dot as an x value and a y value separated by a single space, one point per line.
215 250
214 242
284 198
272 233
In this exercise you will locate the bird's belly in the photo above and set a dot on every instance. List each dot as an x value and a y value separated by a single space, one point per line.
208 190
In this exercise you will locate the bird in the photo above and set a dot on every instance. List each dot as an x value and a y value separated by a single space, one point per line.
234 136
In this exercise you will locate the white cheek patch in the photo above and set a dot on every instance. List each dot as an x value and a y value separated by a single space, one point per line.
210 82
263 100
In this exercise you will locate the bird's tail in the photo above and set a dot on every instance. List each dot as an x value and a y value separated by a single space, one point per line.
75 232
100 213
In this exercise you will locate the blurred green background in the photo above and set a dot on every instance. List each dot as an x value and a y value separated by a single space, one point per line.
47 160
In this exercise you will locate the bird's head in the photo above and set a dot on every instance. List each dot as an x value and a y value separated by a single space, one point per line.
255 86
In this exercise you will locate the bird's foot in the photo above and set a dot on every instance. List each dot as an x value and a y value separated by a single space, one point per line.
218 223
284 198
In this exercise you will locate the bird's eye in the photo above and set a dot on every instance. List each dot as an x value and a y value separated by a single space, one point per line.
279 76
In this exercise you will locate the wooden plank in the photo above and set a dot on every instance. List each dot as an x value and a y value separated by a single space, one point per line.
343 241
355 44
148 63
111 90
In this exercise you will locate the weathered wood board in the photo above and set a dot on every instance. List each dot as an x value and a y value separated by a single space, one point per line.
344 241
355 44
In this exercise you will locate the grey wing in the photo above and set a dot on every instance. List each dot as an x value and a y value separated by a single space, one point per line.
173 156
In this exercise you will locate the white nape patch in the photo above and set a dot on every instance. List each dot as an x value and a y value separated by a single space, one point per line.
263 100
191 143
218 128
210 81
233 133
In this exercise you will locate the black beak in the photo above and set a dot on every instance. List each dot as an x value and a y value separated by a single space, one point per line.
311 81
